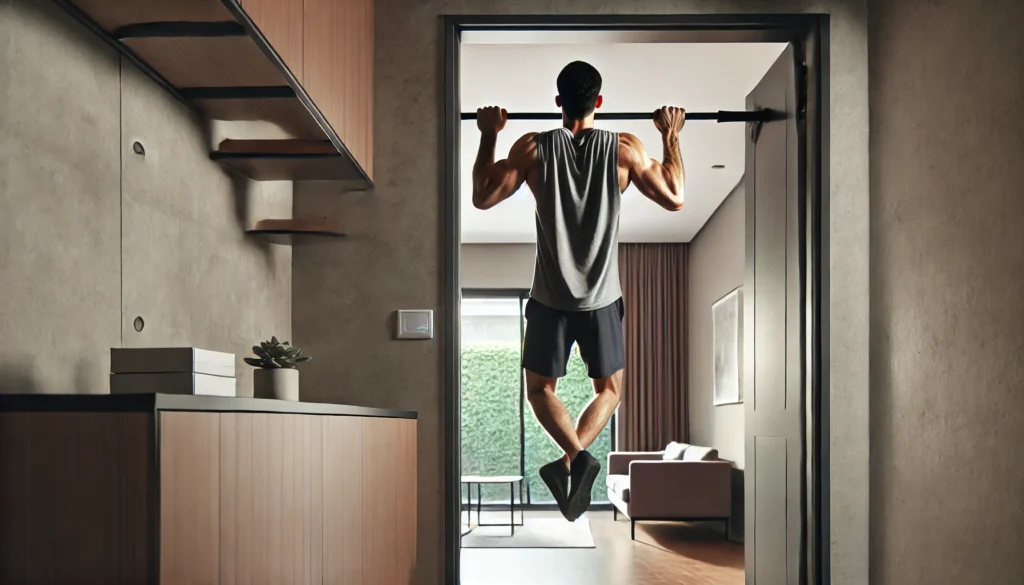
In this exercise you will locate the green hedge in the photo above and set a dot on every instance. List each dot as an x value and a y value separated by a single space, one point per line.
490 421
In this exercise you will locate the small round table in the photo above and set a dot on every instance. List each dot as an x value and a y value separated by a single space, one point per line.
479 480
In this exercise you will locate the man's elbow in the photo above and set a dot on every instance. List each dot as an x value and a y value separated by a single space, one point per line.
480 202
674 199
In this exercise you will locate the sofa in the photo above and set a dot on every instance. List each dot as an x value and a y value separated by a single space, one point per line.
682 482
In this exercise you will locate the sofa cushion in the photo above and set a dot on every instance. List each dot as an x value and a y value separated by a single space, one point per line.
674 451
695 453
619 485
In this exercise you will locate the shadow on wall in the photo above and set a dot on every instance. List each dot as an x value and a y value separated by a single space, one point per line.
18 377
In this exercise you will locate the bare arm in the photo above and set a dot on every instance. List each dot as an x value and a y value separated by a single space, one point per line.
662 182
494 182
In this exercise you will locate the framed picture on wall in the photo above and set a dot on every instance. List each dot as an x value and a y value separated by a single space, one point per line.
727 338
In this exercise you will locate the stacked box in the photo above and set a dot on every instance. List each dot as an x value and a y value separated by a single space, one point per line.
172 370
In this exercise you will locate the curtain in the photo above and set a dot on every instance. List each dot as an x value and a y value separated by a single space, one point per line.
654 403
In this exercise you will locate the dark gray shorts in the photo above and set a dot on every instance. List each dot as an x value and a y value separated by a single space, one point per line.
550 334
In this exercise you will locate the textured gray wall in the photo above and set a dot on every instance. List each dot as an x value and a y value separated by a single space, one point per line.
947 291
347 292
715 266
92 235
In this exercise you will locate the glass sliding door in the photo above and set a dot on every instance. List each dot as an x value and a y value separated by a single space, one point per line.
500 435
492 410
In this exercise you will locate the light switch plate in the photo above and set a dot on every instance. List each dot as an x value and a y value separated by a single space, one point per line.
418 324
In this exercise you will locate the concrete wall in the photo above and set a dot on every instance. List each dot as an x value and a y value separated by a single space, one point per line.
947 291
347 293
508 266
93 235
715 267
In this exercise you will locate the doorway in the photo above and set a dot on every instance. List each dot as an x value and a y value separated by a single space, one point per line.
789 425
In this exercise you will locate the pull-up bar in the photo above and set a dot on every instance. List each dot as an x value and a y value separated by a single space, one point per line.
719 116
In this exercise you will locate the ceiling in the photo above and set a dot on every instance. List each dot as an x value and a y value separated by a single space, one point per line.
517 71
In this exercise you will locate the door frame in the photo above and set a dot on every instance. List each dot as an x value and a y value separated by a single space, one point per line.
810 30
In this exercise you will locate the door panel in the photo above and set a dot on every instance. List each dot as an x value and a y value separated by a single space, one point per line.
773 373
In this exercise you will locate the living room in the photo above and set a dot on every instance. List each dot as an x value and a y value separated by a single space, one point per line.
681 277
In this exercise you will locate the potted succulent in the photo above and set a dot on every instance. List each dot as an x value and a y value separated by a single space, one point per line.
276 376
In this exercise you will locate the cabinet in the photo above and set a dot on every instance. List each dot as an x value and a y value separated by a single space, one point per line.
338 70
304 66
281 22
190 490
328 46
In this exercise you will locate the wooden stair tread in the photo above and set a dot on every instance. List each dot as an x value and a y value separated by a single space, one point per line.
293 231
113 14
281 148
207 61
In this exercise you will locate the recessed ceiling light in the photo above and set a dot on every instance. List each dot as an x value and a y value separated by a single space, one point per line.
718 166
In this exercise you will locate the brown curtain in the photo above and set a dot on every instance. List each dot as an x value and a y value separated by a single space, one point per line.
654 404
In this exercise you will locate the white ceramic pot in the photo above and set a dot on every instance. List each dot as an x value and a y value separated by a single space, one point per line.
276 383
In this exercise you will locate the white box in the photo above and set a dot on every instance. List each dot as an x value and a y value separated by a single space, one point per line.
173 383
155 360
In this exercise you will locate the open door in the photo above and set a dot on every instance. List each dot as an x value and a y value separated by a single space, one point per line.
773 375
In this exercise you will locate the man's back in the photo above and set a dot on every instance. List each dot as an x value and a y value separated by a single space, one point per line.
576 187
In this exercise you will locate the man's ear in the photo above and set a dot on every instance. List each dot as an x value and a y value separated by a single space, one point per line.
600 100
558 100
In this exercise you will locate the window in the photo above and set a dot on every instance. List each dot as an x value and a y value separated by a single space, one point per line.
500 435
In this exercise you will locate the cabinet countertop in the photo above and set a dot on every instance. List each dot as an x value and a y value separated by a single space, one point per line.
172 402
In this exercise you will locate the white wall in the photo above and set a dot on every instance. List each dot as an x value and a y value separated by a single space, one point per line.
715 267
508 266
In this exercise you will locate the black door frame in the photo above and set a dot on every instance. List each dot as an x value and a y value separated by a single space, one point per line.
810 30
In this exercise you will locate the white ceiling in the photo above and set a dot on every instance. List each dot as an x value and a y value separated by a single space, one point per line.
519 75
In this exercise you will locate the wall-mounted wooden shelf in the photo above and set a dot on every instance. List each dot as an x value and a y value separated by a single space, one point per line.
210 55
286 160
276 104
288 232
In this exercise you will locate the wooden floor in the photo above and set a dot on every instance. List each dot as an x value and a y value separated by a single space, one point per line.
662 554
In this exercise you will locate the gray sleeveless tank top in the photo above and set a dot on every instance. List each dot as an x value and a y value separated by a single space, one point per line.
578 206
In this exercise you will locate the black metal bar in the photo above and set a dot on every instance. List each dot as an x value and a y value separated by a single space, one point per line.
512 506
94 27
238 93
180 29
719 116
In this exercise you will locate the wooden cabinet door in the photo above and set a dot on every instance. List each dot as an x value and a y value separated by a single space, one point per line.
271 496
389 488
369 500
343 452
338 74
280 21
189 503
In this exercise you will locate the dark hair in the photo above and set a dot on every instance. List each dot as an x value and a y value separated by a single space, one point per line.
579 84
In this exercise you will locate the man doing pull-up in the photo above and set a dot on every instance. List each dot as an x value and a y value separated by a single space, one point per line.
577 174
